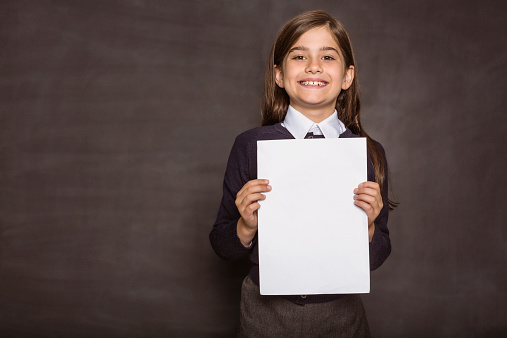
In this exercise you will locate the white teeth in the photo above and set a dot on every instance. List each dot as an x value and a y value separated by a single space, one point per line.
312 83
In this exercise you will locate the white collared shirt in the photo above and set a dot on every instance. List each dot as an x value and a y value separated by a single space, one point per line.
299 125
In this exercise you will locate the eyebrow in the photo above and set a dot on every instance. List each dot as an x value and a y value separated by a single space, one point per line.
305 49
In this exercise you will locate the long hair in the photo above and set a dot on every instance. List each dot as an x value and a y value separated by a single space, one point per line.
276 100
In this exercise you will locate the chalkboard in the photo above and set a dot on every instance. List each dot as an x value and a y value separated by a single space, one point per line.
116 122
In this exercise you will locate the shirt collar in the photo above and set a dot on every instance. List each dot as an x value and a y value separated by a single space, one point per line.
299 125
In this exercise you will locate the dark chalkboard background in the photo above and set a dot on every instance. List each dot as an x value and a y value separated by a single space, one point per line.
115 125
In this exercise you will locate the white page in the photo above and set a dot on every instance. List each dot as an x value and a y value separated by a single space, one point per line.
312 238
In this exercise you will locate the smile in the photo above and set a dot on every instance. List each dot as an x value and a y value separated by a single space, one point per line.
313 83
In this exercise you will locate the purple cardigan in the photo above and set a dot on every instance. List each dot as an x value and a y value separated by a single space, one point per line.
241 168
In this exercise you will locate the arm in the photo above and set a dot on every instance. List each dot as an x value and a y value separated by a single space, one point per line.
236 224
375 204
380 245
223 237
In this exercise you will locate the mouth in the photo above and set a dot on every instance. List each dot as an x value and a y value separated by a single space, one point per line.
313 83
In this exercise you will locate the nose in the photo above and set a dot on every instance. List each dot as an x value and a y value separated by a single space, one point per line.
314 66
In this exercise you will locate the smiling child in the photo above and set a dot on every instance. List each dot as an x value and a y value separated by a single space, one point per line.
311 88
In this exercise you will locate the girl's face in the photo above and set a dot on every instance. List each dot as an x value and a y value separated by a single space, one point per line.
313 74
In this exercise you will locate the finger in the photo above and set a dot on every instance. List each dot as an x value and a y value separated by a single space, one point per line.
367 191
251 184
251 208
243 203
371 213
365 206
254 186
250 214
251 194
369 184
259 181
368 204
372 202
251 198
366 198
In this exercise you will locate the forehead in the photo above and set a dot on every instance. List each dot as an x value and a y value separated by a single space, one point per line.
317 38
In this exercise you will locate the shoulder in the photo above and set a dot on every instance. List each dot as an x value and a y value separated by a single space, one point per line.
375 150
263 132
245 144
272 132
243 154
349 134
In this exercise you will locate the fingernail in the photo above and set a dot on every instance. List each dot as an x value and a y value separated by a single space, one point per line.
355 191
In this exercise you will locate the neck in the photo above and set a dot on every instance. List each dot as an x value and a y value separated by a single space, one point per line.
316 115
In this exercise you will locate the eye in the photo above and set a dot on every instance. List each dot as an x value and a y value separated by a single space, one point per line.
299 57
328 58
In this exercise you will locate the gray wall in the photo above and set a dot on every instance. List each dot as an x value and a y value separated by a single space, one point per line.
116 121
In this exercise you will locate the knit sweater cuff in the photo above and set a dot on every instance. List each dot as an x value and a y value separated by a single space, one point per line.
376 247
237 249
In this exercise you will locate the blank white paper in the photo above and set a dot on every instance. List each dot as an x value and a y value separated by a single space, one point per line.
312 238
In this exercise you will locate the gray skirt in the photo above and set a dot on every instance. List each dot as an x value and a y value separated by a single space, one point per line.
275 316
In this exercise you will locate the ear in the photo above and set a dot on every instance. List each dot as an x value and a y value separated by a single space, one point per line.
348 78
278 76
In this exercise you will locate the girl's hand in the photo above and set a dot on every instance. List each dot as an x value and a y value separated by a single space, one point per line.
368 197
247 203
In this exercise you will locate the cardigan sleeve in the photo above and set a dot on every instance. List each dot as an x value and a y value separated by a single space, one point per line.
223 237
380 246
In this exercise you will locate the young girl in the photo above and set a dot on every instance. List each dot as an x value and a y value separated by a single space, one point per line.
311 90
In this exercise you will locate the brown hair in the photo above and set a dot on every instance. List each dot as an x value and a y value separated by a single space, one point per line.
276 100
